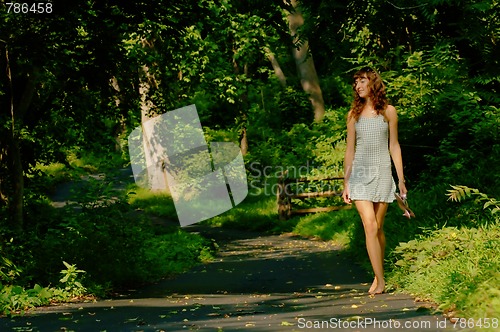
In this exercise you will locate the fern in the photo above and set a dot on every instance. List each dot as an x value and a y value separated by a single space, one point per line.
459 193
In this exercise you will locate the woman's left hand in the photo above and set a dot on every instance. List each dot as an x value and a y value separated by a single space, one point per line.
402 189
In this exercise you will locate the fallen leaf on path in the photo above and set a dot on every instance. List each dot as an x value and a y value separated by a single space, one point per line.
285 323
214 314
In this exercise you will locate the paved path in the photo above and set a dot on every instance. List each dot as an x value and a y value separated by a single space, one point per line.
257 283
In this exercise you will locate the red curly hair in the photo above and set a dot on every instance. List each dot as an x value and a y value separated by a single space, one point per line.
377 93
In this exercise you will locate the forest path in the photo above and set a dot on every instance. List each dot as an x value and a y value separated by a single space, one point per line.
257 282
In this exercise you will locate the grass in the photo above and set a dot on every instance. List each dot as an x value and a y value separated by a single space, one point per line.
155 203
455 267
450 256
256 213
337 226
47 176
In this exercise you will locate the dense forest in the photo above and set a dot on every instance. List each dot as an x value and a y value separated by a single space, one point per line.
274 77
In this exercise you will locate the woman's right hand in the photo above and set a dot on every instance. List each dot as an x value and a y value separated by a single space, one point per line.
345 196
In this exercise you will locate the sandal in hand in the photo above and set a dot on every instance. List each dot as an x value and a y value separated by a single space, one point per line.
403 205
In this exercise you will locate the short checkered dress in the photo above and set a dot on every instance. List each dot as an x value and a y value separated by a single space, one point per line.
371 176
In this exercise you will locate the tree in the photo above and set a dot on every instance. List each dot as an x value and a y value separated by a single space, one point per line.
304 61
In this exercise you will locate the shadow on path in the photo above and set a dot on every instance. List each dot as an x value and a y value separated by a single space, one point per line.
257 282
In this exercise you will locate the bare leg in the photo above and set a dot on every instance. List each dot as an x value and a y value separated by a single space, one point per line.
380 211
368 215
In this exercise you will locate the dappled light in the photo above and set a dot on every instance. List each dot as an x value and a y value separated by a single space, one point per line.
236 213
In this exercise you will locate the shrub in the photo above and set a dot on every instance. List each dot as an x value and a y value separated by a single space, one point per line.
456 267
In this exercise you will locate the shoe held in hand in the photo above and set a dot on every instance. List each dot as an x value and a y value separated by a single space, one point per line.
403 205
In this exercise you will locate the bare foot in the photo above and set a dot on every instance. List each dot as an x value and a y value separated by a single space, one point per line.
373 286
379 289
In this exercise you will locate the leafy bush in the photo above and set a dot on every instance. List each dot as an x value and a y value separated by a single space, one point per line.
115 245
17 299
455 266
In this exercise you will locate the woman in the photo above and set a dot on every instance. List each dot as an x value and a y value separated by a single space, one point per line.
372 139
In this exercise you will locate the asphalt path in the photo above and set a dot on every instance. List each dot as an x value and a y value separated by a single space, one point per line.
257 282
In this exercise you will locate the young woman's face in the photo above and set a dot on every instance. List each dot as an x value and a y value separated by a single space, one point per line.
361 86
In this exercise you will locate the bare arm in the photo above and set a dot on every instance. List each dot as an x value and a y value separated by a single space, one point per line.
349 157
395 148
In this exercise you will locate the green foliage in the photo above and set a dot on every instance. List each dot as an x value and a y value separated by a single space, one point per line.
113 243
439 61
257 212
459 193
153 203
337 226
457 268
314 149
8 271
17 299
100 232
72 286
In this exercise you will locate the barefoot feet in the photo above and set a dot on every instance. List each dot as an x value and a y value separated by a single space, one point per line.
373 286
377 287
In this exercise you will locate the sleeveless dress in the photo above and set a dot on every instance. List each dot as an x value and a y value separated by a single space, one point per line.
371 177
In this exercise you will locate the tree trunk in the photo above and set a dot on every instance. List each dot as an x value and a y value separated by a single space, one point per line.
3 197
244 141
155 171
121 127
276 67
305 64
16 200
244 103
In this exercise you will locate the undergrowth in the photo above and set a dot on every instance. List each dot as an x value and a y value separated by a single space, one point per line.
457 266
95 246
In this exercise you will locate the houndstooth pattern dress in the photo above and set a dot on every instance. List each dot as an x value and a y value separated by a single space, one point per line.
371 177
